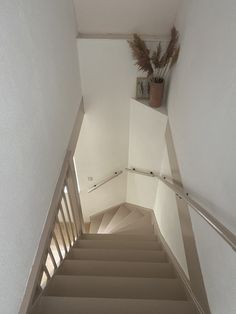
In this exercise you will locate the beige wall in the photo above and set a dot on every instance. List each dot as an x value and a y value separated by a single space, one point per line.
39 98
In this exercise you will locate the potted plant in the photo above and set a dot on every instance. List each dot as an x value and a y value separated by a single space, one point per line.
157 65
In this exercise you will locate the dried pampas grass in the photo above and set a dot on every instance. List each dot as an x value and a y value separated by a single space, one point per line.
160 63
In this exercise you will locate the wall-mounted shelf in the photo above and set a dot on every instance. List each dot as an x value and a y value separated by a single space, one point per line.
162 109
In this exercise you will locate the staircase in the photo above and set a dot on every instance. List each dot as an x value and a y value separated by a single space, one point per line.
120 267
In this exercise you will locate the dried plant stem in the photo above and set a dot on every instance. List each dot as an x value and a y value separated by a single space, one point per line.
159 64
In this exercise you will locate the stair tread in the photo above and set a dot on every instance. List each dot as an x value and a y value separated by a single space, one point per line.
106 219
114 268
119 244
145 230
144 222
131 218
116 287
121 213
62 305
95 223
118 254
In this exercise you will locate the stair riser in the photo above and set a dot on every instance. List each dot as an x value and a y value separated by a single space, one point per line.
107 217
95 223
52 305
131 218
116 287
117 255
136 231
109 244
121 213
102 237
119 269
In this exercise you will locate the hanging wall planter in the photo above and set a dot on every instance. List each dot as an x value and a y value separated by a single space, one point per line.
157 65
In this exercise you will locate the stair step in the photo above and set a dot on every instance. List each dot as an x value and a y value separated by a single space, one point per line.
95 224
132 218
115 287
106 219
119 237
145 230
62 305
142 223
121 213
119 244
118 255
112 268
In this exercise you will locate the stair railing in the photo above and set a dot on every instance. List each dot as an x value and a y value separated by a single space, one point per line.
102 182
224 232
66 227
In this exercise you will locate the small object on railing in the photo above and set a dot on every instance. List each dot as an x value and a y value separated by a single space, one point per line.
96 186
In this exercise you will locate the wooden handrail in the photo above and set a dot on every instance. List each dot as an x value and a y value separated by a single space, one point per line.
97 185
224 232
66 227
54 239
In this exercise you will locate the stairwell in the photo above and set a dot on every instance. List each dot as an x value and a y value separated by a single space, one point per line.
120 267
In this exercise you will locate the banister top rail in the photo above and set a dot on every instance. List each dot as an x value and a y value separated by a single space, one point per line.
97 185
224 232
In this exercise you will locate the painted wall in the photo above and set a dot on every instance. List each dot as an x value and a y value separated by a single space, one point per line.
108 82
126 16
39 98
146 147
202 117
167 216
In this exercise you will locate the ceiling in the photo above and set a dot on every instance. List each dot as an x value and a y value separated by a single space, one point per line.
152 17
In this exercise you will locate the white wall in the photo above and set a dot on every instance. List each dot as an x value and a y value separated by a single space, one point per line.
166 212
146 147
39 98
202 117
126 16
108 82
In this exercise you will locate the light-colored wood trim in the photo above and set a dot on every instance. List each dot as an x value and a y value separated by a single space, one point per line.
52 258
57 246
146 37
193 263
45 269
62 235
68 214
74 194
66 226
44 241
46 233
104 181
178 269
76 128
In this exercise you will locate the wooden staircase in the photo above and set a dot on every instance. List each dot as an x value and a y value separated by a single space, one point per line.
119 268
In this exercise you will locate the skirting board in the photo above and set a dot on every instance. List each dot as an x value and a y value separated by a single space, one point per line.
179 271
